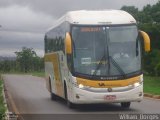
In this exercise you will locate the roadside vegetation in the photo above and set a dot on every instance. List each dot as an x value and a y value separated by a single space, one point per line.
152 85
2 107
26 62
38 74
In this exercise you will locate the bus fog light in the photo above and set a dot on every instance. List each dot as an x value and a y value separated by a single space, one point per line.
140 94
77 96
80 86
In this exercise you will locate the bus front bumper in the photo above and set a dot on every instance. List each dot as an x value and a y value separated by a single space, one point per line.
81 96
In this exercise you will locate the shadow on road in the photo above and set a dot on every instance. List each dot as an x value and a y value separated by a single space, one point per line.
102 107
110 107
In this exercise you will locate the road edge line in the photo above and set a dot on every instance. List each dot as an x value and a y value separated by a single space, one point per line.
10 100
148 95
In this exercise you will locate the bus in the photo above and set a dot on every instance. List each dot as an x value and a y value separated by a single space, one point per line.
94 57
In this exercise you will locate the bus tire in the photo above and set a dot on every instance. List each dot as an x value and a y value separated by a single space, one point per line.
52 95
69 104
125 104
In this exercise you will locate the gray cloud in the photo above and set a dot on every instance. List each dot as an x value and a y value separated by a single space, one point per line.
18 18
8 39
58 7
22 26
14 41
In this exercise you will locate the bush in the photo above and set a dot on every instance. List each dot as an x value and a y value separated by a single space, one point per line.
151 62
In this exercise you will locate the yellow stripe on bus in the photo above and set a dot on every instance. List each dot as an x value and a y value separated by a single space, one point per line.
108 83
53 57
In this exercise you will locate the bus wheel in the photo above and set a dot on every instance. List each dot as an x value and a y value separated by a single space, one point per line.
125 104
53 96
69 104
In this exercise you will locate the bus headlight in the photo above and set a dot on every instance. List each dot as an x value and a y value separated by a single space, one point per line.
136 84
81 86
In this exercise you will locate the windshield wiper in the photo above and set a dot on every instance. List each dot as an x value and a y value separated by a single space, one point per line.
99 64
117 66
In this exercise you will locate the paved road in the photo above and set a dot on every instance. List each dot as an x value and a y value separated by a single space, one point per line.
28 95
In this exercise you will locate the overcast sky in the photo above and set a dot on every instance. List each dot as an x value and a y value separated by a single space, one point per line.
24 22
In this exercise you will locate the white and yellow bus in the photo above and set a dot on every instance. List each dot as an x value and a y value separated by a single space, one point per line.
95 57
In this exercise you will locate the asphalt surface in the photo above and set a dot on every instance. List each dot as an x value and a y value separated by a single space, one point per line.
27 95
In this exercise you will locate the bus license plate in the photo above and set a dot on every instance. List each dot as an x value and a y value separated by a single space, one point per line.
110 97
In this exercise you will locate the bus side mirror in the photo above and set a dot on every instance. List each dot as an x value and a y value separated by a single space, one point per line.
146 41
68 44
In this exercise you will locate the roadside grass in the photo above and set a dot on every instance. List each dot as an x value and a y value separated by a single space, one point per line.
152 85
34 73
39 74
2 106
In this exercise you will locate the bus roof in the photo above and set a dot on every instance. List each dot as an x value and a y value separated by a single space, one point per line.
101 17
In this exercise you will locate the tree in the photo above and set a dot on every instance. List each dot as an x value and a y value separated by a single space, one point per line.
132 10
25 58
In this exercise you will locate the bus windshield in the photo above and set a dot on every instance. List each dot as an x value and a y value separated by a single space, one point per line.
106 50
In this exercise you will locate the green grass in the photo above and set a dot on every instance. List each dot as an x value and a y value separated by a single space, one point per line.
152 85
34 73
39 74
2 107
